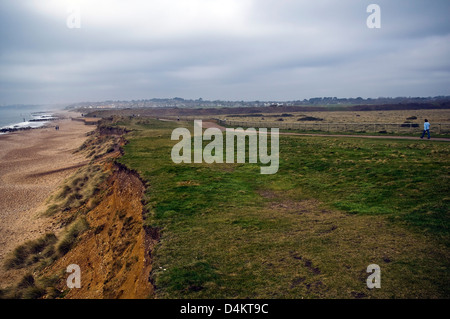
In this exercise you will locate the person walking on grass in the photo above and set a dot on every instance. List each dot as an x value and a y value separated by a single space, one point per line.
426 129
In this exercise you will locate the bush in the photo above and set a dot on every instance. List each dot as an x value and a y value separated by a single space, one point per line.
310 118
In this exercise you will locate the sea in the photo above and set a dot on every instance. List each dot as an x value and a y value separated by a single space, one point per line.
22 116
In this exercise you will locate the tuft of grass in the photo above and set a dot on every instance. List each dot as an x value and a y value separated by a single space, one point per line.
31 252
102 142
26 288
69 239
187 279
77 190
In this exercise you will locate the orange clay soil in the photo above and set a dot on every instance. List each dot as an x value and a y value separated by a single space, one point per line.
114 254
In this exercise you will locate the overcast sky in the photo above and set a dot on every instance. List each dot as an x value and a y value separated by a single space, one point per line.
221 49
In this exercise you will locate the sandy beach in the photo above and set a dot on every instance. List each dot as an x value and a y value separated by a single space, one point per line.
32 165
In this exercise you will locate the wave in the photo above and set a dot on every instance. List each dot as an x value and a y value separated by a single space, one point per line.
38 119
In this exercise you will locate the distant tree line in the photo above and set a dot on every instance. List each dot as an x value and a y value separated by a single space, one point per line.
178 102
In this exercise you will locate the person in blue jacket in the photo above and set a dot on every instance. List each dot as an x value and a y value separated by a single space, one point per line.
426 129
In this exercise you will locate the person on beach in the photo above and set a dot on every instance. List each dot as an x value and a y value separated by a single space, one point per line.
426 129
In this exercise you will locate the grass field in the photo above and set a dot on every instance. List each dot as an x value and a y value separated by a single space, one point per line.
395 116
335 206
382 122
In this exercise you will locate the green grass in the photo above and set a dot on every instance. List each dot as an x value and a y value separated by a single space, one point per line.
399 179
335 206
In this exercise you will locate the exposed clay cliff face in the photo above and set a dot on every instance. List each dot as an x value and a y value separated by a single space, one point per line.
114 254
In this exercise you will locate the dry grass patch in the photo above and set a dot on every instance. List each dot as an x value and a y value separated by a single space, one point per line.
326 252
396 116
76 190
31 252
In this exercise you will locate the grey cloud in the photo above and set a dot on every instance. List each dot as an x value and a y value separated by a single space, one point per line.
278 50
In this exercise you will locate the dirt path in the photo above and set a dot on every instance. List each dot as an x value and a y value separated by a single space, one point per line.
32 165
371 136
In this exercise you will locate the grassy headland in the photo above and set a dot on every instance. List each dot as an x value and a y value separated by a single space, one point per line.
335 206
